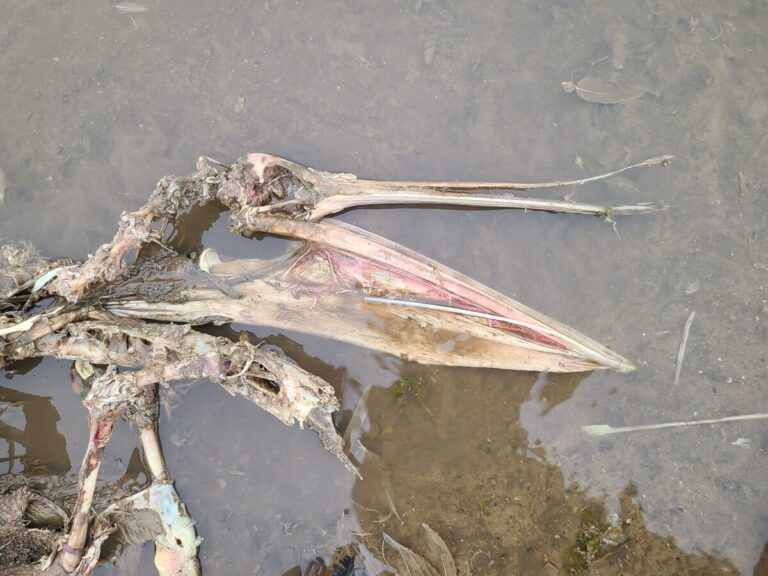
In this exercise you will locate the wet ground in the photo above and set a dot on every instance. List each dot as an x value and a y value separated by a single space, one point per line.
98 105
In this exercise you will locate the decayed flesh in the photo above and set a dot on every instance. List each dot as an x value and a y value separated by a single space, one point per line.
165 353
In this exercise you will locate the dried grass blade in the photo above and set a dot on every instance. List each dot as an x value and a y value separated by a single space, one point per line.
438 553
681 349
605 429
411 564
602 92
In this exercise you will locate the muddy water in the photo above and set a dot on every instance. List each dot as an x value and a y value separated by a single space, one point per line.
98 105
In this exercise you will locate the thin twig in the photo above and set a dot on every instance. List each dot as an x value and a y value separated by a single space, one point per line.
681 350
605 429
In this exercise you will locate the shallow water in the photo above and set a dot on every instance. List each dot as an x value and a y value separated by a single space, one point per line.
98 105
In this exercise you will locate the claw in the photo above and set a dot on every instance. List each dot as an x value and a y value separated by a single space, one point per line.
158 513
177 543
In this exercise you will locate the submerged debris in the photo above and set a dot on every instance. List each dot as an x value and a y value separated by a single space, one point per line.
595 538
358 424
407 388
438 553
602 92
692 288
348 560
376 476
438 562
30 524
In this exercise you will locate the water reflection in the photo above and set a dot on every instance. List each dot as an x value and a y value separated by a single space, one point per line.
464 463
651 464
467 465
492 473
29 426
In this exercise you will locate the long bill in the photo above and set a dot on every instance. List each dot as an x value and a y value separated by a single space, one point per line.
353 286
319 193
